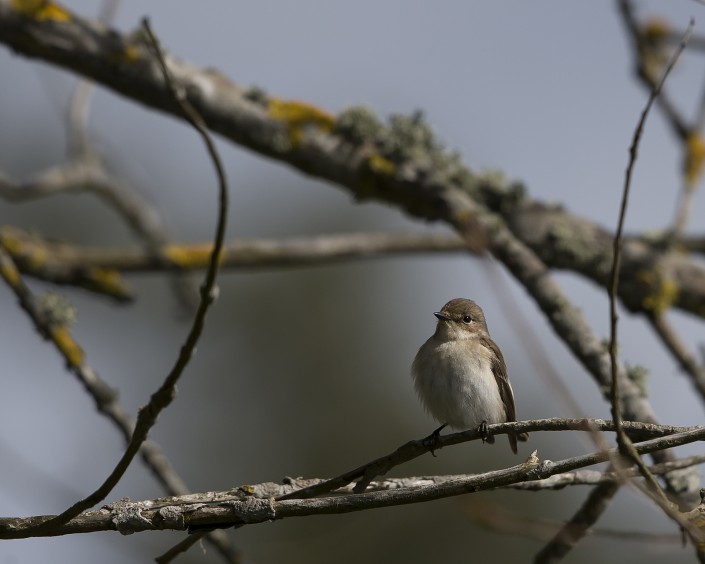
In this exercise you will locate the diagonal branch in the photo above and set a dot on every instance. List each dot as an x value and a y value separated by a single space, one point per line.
344 149
578 525
679 350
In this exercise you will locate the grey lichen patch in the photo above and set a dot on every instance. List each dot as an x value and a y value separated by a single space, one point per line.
492 177
253 509
409 142
561 305
494 189
516 192
639 376
406 147
127 516
658 238
56 310
574 242
357 124
408 138
257 95
683 480
171 517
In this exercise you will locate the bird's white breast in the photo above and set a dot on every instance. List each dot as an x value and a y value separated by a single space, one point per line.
455 382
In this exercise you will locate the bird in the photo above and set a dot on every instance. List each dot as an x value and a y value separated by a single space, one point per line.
460 375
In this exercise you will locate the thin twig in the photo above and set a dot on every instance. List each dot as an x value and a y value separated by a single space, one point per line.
595 478
675 120
598 499
79 104
648 55
535 351
161 398
578 525
684 208
105 398
103 395
679 350
626 448
182 547
507 522
87 172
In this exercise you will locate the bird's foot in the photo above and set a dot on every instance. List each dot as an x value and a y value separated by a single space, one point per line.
433 439
484 435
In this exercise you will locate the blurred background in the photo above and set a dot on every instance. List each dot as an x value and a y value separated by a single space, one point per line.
305 371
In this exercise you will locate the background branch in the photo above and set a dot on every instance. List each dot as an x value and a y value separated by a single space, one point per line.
330 147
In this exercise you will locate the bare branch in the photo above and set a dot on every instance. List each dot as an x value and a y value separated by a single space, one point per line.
413 449
508 522
594 506
595 478
87 172
652 42
103 395
161 398
648 72
240 507
79 105
240 253
333 148
578 526
679 350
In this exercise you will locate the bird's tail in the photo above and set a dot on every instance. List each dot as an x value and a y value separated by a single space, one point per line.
523 437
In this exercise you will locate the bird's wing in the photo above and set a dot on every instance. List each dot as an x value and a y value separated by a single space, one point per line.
499 369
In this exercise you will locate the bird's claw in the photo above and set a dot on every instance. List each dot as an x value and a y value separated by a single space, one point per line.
433 439
484 435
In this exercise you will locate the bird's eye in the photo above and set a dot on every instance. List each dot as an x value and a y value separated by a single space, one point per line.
467 319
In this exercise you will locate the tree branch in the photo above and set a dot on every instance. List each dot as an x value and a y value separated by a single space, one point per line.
413 449
626 448
163 396
345 149
242 507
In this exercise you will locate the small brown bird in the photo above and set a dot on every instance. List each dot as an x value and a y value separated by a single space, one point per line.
460 374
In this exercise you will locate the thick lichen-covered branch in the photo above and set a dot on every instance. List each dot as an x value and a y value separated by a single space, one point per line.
400 163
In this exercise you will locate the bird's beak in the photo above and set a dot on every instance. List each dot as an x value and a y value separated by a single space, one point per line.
442 316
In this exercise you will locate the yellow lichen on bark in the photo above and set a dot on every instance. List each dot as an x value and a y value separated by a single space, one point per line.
42 10
694 159
299 115
190 257
664 291
70 349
